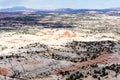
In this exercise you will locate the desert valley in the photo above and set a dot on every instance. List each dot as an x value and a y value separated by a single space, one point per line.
60 45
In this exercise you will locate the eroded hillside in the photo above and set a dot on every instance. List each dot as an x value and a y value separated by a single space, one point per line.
88 50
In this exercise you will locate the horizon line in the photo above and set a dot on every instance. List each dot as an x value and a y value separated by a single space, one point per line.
57 8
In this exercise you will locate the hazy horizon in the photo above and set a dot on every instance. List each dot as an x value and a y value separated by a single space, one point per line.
55 4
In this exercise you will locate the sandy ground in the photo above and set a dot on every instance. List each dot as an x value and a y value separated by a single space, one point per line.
10 41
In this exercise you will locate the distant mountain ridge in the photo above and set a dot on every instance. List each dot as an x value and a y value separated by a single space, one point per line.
61 10
13 9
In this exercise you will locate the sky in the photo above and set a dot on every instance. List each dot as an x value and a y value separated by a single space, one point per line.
54 4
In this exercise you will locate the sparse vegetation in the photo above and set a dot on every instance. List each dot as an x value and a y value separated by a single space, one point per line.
67 46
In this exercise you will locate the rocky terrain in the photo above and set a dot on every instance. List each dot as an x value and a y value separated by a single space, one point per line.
61 47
